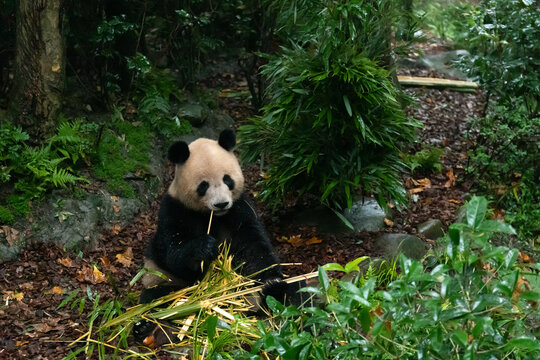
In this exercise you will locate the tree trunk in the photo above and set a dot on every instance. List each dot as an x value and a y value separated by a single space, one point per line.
39 67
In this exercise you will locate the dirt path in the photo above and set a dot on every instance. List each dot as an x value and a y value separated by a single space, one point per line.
33 287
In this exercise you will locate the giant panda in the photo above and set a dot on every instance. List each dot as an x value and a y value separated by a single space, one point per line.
208 178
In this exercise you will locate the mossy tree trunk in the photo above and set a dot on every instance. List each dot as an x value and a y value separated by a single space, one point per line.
39 67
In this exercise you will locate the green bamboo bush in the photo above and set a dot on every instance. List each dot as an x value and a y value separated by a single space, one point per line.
334 123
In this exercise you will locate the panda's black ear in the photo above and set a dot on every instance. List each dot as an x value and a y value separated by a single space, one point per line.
178 152
227 139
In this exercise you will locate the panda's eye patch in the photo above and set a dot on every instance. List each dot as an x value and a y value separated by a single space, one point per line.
201 189
228 181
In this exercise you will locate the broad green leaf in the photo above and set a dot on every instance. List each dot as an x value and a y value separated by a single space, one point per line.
436 338
496 226
510 258
460 337
211 324
274 305
476 211
290 311
524 343
365 319
353 265
530 295
305 352
316 311
339 308
333 267
323 279
311 290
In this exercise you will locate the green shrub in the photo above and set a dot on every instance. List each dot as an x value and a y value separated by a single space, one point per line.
334 124
474 304
505 47
504 158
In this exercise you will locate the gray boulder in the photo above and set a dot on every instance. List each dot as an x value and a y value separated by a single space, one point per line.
366 214
431 229
196 114
391 245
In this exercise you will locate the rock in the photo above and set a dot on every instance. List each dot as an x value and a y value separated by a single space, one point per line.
79 223
9 252
196 114
216 122
391 245
366 214
324 219
431 229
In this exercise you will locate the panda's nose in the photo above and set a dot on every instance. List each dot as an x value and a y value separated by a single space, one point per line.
221 205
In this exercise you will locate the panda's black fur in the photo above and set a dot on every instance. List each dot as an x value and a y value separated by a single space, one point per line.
181 242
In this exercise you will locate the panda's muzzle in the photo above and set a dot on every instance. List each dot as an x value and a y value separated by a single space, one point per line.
221 205
221 208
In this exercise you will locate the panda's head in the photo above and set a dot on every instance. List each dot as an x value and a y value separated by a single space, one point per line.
207 175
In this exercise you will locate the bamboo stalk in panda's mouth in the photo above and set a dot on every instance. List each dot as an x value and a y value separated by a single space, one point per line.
208 233
210 222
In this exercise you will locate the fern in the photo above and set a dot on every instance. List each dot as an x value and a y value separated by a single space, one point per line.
68 133
11 143
154 103
34 170
426 161
154 110
62 177
72 139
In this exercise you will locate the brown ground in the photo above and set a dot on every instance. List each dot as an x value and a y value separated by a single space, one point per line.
32 287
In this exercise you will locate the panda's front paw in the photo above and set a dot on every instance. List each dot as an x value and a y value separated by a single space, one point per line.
286 294
210 248
277 288
206 251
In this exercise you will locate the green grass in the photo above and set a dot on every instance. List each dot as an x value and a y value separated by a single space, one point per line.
6 216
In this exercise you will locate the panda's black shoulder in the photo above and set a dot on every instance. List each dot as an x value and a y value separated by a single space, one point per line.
170 205
174 214
244 208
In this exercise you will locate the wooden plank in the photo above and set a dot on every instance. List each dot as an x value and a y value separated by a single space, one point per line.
436 82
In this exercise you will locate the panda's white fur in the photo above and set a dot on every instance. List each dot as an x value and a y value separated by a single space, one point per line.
210 162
